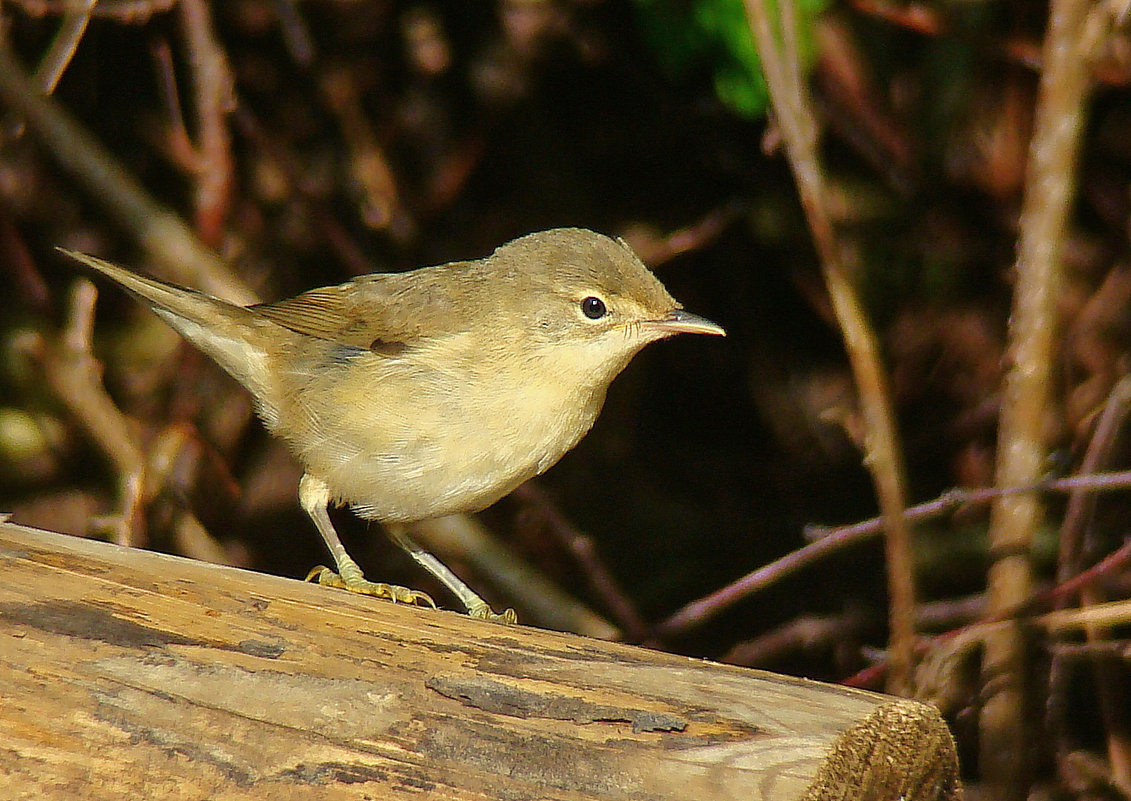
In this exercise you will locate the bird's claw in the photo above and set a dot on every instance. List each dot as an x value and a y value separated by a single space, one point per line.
483 612
378 589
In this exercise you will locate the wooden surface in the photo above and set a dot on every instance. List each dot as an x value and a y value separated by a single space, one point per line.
128 674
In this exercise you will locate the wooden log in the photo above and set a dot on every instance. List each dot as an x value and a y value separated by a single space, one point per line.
130 674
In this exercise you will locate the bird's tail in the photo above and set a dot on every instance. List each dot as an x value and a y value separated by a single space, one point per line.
231 335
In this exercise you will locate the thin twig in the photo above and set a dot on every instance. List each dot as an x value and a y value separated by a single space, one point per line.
381 205
1074 536
296 33
1114 563
795 117
827 541
1108 649
130 11
64 45
158 229
1110 69
660 249
1112 613
214 93
1005 752
75 378
177 141
601 581
807 633
955 498
461 539
700 610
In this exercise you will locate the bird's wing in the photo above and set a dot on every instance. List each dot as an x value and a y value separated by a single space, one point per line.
371 312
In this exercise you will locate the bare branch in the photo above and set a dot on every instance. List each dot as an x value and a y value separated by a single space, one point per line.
798 127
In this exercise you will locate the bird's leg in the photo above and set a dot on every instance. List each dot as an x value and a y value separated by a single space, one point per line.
314 496
476 607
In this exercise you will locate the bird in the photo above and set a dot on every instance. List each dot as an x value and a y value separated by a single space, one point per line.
413 395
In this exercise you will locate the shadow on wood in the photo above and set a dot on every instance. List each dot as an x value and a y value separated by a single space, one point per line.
126 673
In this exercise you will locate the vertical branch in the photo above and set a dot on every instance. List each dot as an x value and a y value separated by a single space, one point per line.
882 456
156 228
1033 333
75 377
1074 551
214 95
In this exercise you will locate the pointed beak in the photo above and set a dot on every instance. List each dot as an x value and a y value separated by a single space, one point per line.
678 321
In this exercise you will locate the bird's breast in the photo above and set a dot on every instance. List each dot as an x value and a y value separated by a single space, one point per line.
400 440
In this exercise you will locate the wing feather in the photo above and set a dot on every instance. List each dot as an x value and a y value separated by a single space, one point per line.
370 312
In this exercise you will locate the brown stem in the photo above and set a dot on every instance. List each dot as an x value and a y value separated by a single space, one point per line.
1109 614
158 229
75 378
600 579
214 96
1074 551
827 541
1004 743
63 46
792 105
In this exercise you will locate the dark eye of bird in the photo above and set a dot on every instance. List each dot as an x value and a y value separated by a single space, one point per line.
593 308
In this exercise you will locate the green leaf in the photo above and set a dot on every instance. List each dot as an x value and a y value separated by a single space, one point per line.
689 36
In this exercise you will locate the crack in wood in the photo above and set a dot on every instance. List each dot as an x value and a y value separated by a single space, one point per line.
506 699
89 622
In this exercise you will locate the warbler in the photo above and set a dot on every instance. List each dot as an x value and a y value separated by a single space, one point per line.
409 396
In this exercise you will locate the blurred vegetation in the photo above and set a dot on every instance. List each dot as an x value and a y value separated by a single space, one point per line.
393 134
714 35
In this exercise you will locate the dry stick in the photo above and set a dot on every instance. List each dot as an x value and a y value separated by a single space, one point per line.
1112 613
882 454
801 634
700 610
296 34
382 207
601 581
1074 538
133 12
1110 564
950 613
1080 651
1111 686
695 236
1052 621
954 498
463 539
1004 745
1073 550
1110 69
75 377
830 540
179 142
63 46
158 229
214 91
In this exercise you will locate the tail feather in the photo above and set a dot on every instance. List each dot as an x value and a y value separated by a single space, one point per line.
231 335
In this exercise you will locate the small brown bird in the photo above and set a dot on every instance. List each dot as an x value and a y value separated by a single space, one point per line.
409 396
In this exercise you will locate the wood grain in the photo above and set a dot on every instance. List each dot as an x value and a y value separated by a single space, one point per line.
130 674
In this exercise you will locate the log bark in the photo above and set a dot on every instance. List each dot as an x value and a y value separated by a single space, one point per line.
131 674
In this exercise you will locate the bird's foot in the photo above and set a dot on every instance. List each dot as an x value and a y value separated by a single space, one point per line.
481 611
378 589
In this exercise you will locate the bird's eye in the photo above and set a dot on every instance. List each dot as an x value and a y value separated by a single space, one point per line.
593 308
